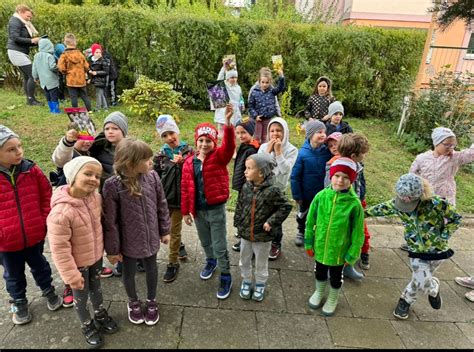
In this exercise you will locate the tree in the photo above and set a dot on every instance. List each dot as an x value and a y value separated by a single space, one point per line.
452 10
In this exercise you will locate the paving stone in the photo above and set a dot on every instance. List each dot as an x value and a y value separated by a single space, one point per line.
379 259
462 239
386 236
218 328
432 335
468 331
460 292
363 333
465 261
292 331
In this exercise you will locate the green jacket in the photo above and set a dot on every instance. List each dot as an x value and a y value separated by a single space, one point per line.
427 229
258 205
335 227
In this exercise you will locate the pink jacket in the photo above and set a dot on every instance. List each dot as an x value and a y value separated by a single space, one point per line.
440 171
75 232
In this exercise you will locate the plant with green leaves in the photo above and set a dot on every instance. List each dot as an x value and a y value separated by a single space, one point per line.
150 98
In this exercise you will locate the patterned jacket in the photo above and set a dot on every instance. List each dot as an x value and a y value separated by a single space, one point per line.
317 106
263 102
74 65
427 229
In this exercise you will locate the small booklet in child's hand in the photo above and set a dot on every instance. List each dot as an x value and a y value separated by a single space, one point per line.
229 62
85 125
277 62
217 94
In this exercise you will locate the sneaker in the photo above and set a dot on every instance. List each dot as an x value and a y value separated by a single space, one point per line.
211 265
140 267
151 312
435 302
470 295
118 269
21 314
364 261
171 272
104 322
246 289
224 286
106 272
54 302
68 299
275 252
92 335
236 246
259 292
465 281
401 311
299 240
135 313
404 247
182 254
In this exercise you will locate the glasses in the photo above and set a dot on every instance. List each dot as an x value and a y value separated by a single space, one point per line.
449 145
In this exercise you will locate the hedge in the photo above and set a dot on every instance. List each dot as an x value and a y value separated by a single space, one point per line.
371 67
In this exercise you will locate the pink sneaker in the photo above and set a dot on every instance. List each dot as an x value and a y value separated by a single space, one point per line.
151 314
106 272
68 299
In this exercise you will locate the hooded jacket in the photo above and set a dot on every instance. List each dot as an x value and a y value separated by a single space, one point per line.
345 128
75 232
73 64
286 160
263 102
44 65
244 151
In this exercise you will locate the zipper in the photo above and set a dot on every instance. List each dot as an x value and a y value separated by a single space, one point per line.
252 216
20 214
93 227
329 226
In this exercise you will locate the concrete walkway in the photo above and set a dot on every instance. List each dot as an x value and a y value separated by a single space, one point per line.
192 316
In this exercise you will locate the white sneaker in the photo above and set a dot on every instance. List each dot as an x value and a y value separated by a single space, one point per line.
465 281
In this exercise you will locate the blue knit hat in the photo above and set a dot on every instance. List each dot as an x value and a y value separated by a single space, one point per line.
247 124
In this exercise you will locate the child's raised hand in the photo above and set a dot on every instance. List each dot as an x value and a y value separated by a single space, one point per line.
280 71
267 227
229 111
178 159
258 118
326 118
188 219
165 239
72 135
113 259
310 252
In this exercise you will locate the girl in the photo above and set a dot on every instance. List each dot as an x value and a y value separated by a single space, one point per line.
76 241
318 103
136 219
262 106
429 222
99 70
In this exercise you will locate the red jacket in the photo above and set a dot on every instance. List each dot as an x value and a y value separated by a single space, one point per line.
25 205
214 173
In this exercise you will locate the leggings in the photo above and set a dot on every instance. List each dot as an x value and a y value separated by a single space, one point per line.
92 289
335 273
128 274
28 81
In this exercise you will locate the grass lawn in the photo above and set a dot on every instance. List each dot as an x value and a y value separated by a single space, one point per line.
386 161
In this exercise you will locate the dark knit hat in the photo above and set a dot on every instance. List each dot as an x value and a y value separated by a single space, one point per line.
247 124
314 126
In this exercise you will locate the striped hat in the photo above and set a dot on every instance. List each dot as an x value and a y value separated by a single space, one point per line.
344 165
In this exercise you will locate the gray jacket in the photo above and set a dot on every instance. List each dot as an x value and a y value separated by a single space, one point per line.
44 65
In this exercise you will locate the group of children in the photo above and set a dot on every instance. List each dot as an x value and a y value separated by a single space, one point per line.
143 200
54 64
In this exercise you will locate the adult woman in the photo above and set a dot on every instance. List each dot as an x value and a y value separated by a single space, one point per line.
21 36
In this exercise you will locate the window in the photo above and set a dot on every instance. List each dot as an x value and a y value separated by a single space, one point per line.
470 48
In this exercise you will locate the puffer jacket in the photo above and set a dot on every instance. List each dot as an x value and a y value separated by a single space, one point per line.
74 65
104 152
345 128
133 226
214 173
25 194
75 233
244 151
263 102
101 67
258 205
19 38
44 65
307 175
335 227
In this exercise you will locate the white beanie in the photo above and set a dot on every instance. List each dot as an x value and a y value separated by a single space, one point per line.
231 73
165 123
72 167
440 134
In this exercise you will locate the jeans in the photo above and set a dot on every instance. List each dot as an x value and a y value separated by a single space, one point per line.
74 92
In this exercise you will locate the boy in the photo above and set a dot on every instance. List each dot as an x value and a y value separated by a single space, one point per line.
307 176
168 163
25 199
335 123
204 192
74 65
334 233
244 130
261 207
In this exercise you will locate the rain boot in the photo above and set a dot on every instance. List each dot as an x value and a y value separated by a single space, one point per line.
316 298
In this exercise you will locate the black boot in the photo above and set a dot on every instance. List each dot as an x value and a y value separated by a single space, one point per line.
104 322
92 335
33 101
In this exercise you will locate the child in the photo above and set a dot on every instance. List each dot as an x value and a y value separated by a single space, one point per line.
244 130
113 77
204 192
262 106
429 222
334 233
24 198
284 153
136 219
74 65
261 207
332 142
335 123
307 176
45 70
268 72
76 241
168 163
58 51
99 70
318 103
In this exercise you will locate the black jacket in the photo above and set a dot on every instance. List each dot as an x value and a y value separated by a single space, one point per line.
345 128
101 67
244 151
113 67
104 152
19 38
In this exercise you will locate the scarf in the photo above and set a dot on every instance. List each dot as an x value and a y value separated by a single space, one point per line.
29 26
171 152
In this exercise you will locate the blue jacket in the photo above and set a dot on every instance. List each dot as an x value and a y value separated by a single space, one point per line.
263 103
307 176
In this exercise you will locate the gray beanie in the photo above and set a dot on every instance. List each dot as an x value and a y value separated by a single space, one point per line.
314 126
231 73
6 134
409 189
440 134
118 119
265 163
335 107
